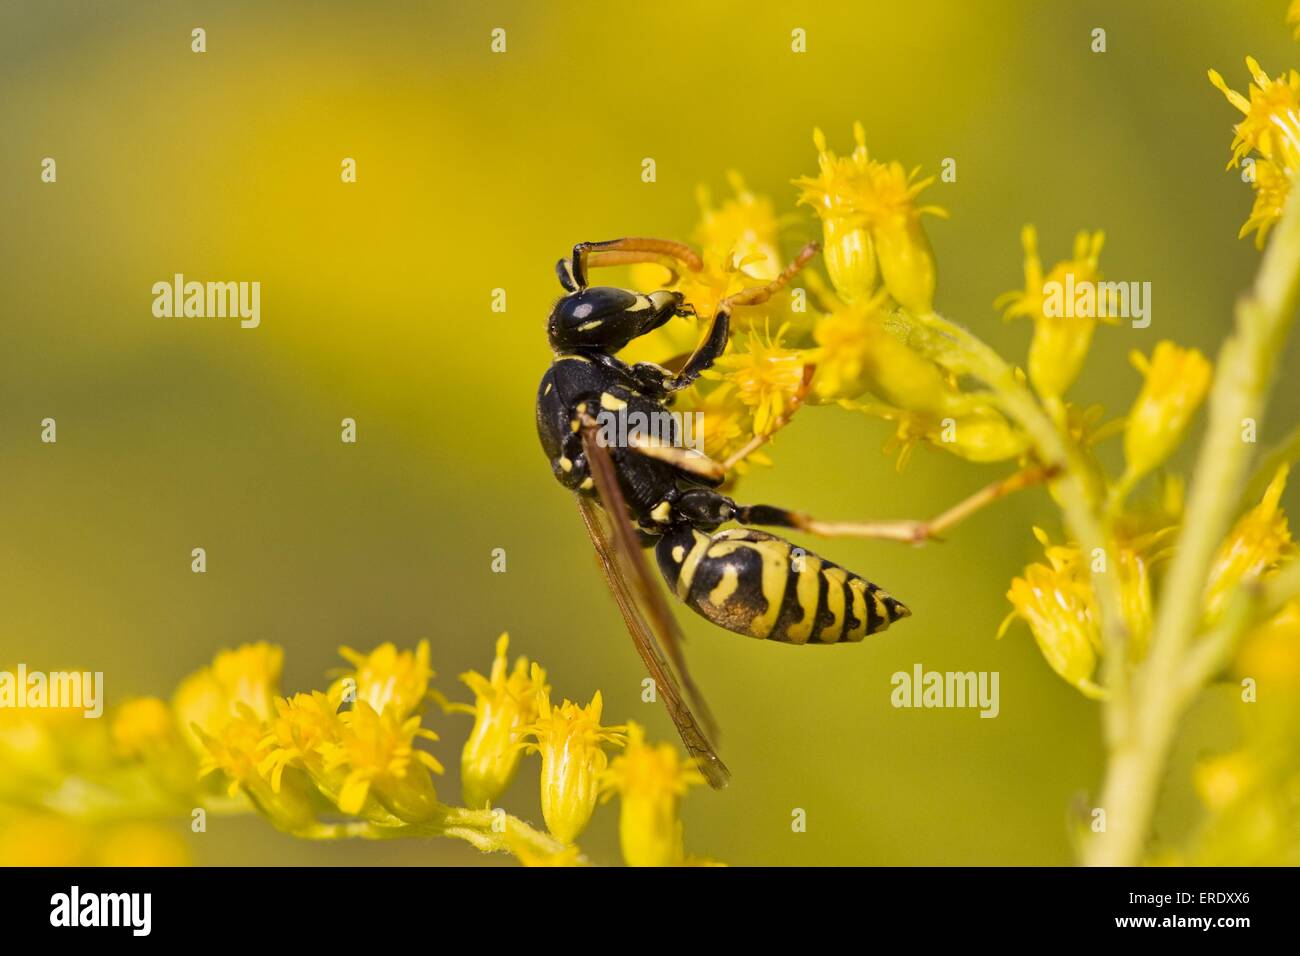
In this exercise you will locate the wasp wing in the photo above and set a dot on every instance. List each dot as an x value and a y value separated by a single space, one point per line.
635 590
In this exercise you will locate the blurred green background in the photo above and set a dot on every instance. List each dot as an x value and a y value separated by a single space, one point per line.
478 171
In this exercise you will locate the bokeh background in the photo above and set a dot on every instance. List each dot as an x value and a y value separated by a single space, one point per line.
477 171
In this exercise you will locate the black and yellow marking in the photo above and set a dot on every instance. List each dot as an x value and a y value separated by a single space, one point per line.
757 584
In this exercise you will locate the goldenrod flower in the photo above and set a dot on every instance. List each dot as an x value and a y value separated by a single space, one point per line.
1176 382
1272 116
504 704
1272 129
45 839
141 844
651 781
857 353
387 678
143 726
1061 340
237 750
723 274
847 247
571 740
728 423
302 726
1271 654
146 736
1057 604
728 426
1258 541
381 762
765 376
247 677
744 226
870 221
1272 187
1223 780
902 247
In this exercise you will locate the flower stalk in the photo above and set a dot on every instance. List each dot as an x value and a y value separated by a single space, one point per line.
1165 685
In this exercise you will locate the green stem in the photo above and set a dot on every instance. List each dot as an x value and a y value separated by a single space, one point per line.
1246 368
1081 512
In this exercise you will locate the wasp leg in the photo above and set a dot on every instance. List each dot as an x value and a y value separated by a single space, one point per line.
911 532
573 271
696 464
715 340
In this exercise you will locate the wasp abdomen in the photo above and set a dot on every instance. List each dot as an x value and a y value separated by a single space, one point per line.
757 584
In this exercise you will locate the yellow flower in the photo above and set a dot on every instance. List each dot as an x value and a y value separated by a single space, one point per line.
1272 116
144 726
1057 604
1271 653
303 724
571 741
1176 382
871 223
1272 187
141 844
504 704
728 426
237 750
651 781
247 677
902 247
386 678
744 226
1258 541
764 376
1061 340
857 353
847 247
43 839
381 762
1221 781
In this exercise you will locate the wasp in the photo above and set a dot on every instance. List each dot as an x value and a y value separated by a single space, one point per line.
651 493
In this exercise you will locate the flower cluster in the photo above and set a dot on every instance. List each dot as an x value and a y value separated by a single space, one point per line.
846 344
1056 597
875 345
344 762
1266 144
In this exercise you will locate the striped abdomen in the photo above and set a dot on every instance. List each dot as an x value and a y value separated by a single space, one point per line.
757 584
